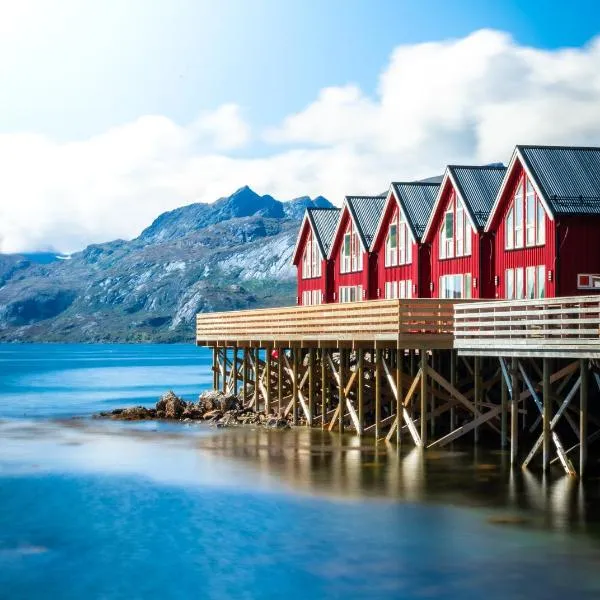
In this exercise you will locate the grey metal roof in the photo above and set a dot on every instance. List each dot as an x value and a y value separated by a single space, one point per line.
324 222
568 177
478 187
366 211
417 200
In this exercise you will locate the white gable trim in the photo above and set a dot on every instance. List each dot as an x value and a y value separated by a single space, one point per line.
344 207
297 245
511 165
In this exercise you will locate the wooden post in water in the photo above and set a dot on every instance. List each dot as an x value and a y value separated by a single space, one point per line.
477 392
399 395
583 415
280 381
268 359
311 386
295 352
546 414
423 397
514 411
341 388
377 394
504 411
244 372
434 366
256 378
361 390
453 384
324 386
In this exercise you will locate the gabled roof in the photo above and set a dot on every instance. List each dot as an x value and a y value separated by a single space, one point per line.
365 212
566 178
476 186
323 223
416 200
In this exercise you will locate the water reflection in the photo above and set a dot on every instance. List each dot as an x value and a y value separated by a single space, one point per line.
347 468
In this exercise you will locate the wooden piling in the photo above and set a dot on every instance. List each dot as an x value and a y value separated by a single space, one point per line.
424 369
377 394
477 392
256 378
324 387
546 414
311 386
224 382
234 370
295 358
268 359
244 372
280 381
583 415
514 411
360 367
342 389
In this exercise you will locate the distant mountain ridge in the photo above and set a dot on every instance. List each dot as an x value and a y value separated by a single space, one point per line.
234 253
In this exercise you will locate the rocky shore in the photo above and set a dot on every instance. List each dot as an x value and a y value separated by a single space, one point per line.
216 408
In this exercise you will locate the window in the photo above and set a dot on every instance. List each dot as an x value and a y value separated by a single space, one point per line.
351 251
312 297
519 291
530 277
510 284
350 293
391 246
398 244
541 281
456 286
525 222
456 231
398 289
311 259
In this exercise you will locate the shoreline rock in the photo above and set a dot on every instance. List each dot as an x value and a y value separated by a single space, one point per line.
213 407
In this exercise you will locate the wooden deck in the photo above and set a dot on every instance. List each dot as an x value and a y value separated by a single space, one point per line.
553 327
408 324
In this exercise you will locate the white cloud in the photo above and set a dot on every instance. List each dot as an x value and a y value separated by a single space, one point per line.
465 100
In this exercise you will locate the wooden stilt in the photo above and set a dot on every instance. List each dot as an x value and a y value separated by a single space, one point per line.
434 365
360 368
311 387
324 387
215 368
514 412
295 359
399 404
583 415
256 378
424 373
342 389
504 413
234 371
377 394
546 414
224 382
280 382
244 372
453 383
268 359
477 391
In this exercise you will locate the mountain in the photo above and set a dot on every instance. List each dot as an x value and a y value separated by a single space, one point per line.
234 253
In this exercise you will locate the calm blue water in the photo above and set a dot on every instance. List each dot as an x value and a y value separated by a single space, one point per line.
95 509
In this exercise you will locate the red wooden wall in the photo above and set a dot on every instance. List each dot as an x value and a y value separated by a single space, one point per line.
322 283
481 253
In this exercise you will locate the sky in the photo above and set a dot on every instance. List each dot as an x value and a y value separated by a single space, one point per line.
113 112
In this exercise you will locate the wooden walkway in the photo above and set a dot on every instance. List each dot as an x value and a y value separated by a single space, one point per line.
428 371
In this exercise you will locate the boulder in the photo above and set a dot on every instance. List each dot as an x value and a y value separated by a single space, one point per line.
135 413
171 406
214 400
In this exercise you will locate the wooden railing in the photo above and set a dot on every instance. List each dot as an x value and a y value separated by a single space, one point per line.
411 323
552 325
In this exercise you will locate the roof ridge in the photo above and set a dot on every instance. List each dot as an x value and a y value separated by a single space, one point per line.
486 167
323 208
415 183
557 147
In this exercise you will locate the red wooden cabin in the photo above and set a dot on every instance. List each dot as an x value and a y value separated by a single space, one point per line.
546 223
461 253
315 271
403 264
354 266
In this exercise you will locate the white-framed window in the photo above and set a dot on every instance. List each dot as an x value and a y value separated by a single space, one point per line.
391 246
398 243
312 297
525 221
350 293
456 231
351 251
311 258
398 289
528 282
456 286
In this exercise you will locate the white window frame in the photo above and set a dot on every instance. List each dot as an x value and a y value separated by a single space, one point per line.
460 243
525 220
509 284
391 251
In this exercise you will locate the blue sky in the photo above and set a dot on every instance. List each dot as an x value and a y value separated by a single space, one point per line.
130 107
